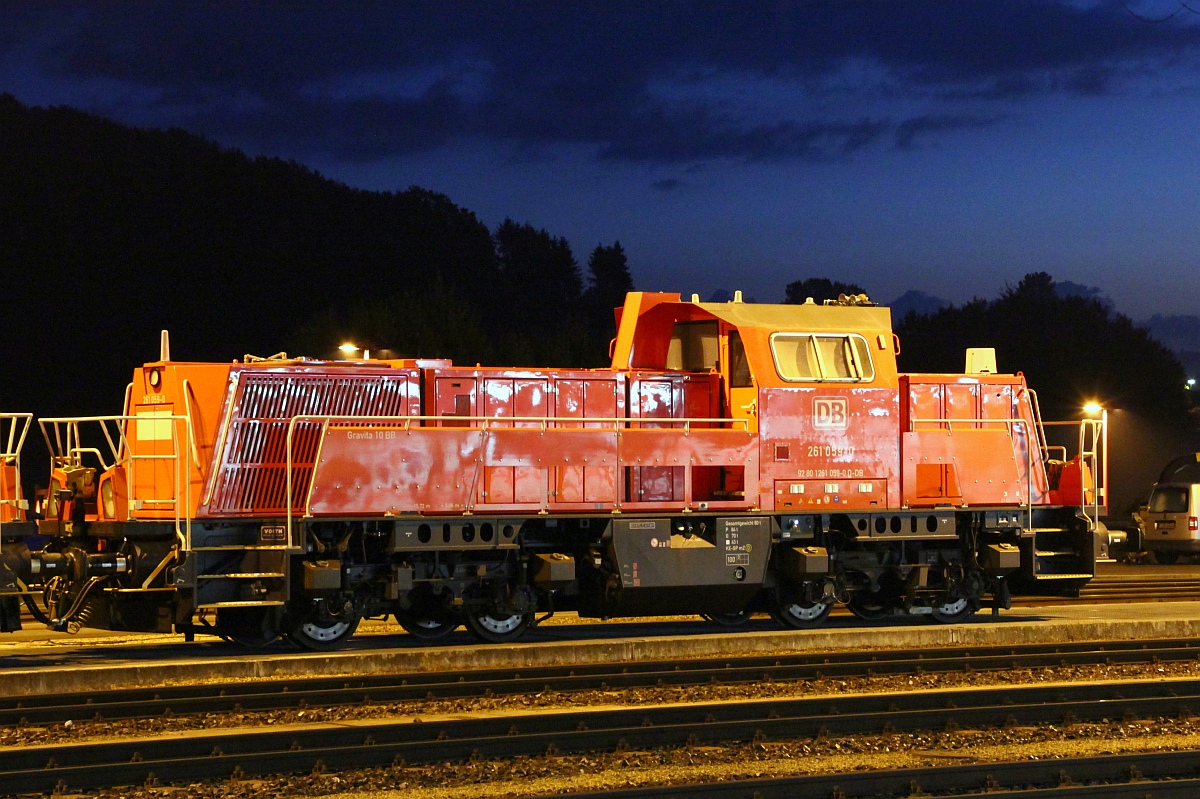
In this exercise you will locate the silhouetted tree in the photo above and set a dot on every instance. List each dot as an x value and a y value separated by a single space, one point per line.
537 268
820 289
542 290
432 322
610 282
1071 349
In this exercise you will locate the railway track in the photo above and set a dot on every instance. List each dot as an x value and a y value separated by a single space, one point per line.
217 755
1125 588
296 694
1145 775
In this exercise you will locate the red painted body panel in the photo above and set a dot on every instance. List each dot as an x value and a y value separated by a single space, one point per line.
971 461
839 440
249 472
638 436
9 491
388 470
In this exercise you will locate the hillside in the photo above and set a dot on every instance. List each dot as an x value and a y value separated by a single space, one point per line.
109 234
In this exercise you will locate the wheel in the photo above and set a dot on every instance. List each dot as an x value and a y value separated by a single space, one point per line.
323 631
867 609
325 634
1166 558
427 627
498 629
801 614
953 612
253 628
728 619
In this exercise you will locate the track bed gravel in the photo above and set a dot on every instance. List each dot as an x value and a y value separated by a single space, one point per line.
554 774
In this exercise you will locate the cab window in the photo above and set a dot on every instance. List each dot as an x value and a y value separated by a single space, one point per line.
693 347
818 357
739 366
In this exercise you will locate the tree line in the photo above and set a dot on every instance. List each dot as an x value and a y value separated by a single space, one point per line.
110 233
1071 346
539 311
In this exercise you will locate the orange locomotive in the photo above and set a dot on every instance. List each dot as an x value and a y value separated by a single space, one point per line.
734 458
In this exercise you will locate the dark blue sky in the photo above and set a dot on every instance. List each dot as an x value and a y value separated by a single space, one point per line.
949 147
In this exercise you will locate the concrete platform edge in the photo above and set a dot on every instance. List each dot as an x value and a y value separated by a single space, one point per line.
76 679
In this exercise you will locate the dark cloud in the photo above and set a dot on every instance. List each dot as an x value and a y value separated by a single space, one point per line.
1091 81
908 131
666 184
781 141
369 80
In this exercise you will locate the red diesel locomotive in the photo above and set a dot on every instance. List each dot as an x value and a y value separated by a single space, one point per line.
734 458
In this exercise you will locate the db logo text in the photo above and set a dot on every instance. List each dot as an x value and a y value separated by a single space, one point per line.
830 413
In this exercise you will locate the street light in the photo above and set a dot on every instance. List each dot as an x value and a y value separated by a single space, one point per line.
349 348
1094 408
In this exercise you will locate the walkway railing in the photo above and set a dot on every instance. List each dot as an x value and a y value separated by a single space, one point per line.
485 424
65 442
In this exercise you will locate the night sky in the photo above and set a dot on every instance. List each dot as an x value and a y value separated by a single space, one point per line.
949 147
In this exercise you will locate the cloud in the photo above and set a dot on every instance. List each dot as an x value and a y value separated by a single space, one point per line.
667 82
908 131
1067 288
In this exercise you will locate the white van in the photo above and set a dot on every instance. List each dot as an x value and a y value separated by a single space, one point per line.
1170 522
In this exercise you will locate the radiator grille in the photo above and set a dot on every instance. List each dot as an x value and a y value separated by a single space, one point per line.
251 479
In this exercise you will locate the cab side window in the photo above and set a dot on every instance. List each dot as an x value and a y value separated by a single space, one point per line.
693 347
739 366
819 357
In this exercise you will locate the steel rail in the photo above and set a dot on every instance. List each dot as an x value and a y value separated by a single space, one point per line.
1123 590
224 753
1159 775
298 694
341 691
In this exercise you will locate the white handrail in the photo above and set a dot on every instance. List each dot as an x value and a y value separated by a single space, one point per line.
187 409
1010 423
488 422
66 449
1037 418
12 448
1094 431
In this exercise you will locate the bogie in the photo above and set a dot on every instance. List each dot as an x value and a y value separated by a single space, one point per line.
799 614
324 624
494 627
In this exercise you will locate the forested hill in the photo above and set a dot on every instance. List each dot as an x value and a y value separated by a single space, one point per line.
109 234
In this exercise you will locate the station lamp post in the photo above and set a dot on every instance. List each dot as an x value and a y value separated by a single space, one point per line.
349 348
1094 409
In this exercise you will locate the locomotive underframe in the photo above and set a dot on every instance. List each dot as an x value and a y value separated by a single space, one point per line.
496 573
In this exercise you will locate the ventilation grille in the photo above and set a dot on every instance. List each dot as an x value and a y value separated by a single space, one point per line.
252 476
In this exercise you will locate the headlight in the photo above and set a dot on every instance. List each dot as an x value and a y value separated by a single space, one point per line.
108 500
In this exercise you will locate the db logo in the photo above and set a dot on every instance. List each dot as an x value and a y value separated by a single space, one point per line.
830 413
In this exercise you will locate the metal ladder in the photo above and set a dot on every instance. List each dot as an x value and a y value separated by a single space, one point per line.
239 576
